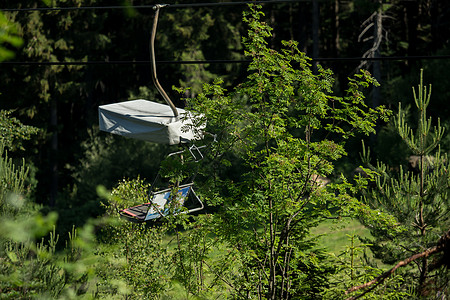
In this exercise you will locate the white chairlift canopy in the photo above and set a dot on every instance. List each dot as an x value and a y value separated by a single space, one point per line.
148 121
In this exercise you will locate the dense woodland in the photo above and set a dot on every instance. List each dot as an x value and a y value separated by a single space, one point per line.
351 93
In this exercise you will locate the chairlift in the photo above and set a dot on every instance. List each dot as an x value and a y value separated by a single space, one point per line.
180 199
148 120
158 123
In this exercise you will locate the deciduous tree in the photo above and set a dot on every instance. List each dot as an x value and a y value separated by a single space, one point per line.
287 128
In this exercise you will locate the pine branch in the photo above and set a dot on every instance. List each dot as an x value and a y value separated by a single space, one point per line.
443 245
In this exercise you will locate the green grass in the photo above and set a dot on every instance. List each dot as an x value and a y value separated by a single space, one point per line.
336 237
336 234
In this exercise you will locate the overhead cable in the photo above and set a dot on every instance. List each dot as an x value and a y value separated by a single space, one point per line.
217 61
186 5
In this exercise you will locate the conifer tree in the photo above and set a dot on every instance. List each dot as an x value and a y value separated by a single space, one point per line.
418 198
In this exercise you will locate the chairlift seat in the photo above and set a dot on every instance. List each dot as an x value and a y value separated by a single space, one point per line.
147 120
159 123
159 205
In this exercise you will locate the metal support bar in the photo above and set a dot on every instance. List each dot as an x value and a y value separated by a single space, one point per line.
153 64
193 148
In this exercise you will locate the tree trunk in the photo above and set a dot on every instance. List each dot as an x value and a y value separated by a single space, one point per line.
336 33
376 64
377 36
54 153
315 32
272 258
411 18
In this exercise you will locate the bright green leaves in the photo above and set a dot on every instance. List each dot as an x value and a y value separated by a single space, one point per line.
268 213
13 132
271 76
257 33
9 35
350 114
128 193
279 134
283 83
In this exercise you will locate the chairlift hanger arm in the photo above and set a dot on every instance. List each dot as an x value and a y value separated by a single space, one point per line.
153 61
